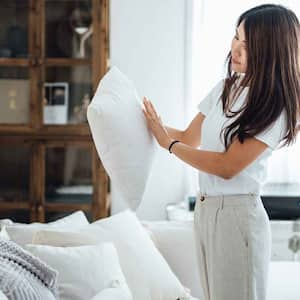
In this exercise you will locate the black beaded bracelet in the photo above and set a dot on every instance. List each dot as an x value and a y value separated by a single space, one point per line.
171 145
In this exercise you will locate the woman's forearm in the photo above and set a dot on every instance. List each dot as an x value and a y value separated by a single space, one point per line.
206 161
175 134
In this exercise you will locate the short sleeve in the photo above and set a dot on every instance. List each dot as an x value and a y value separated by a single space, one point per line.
211 98
273 135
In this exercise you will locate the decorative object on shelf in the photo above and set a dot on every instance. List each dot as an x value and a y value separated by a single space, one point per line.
14 36
191 200
14 104
80 21
80 111
294 245
5 52
56 103
83 39
17 37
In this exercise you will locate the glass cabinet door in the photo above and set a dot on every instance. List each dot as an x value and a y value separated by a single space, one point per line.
15 182
68 28
69 174
14 20
14 173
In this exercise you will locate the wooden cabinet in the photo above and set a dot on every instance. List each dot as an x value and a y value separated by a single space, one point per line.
52 56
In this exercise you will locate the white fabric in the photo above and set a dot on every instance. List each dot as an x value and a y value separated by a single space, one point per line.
23 233
148 274
251 179
122 139
4 222
284 281
2 296
83 271
113 294
175 241
3 234
233 242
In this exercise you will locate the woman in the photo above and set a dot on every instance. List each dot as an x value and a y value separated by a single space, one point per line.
243 119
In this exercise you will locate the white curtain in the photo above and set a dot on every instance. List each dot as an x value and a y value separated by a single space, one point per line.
213 26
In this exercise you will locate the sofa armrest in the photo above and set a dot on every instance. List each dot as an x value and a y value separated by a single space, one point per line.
175 240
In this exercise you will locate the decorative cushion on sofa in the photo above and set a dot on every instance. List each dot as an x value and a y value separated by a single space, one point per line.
84 271
23 233
115 293
2 296
4 222
24 276
147 273
169 237
122 139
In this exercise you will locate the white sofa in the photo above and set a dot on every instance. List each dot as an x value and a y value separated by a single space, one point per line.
175 241
74 230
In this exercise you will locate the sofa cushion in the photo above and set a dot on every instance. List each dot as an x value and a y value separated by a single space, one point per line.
122 139
115 293
175 240
23 233
2 296
24 276
147 273
83 271
283 282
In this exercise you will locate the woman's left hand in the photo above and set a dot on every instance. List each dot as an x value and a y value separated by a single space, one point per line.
155 124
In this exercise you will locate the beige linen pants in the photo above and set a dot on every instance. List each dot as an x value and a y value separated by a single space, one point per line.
233 243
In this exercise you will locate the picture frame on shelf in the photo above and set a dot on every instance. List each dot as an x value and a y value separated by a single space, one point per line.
56 101
14 105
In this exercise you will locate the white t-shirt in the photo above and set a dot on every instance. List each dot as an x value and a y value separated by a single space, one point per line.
250 179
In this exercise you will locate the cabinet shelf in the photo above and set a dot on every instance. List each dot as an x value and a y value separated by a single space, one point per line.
51 131
15 205
61 62
53 207
14 62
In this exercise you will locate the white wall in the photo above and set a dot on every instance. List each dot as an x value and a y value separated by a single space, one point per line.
147 43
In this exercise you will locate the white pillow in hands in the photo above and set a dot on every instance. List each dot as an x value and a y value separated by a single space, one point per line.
122 139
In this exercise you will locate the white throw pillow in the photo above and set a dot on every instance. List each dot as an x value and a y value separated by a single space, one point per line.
116 293
147 273
122 139
170 237
2 296
4 222
3 232
84 271
23 233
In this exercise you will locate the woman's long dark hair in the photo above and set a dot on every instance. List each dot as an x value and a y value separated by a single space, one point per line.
272 35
